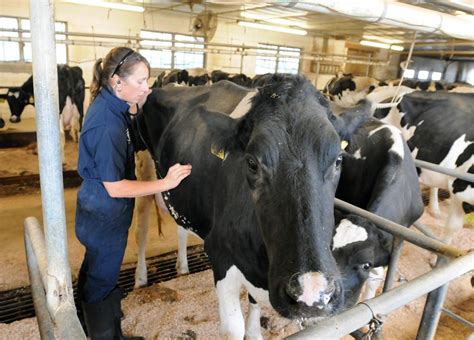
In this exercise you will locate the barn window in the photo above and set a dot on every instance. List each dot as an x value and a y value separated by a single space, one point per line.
436 76
21 51
409 73
158 48
9 50
277 59
423 75
61 49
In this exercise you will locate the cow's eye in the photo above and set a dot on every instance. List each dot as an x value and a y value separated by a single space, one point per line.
252 165
339 162
366 266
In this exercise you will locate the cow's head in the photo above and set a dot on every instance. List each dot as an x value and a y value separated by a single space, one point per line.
291 156
358 246
17 99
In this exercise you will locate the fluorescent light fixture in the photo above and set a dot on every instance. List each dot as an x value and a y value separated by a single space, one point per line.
382 39
272 28
381 45
277 21
106 4
409 73
466 5
423 75
436 76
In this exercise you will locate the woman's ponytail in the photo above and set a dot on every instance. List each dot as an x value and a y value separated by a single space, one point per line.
96 83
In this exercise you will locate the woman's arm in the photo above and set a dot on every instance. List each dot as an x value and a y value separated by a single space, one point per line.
129 188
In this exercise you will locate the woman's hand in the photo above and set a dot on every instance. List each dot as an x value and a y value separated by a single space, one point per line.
176 174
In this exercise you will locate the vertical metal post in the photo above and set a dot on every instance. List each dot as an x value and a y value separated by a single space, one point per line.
45 80
432 311
45 324
318 66
242 59
392 266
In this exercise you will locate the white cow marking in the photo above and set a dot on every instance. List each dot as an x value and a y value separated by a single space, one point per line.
243 106
313 285
397 146
348 232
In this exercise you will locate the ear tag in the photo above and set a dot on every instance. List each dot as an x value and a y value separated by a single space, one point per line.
31 100
219 153
344 144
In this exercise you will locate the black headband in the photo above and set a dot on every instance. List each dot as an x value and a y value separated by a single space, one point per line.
124 59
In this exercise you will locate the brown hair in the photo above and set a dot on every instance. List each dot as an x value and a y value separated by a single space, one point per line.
119 61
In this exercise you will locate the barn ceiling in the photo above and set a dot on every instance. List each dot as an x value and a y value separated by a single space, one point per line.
338 26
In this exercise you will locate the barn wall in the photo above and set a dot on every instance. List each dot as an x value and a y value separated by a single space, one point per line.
87 19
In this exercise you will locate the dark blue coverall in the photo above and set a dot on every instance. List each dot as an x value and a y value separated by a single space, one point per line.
106 154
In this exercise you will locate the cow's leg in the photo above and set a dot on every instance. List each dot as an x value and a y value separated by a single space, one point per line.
434 203
455 220
75 124
252 327
182 261
143 217
376 276
232 324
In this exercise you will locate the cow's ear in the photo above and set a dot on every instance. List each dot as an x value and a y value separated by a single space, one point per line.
351 119
222 129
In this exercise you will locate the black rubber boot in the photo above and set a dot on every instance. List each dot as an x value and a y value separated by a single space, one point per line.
103 318
100 320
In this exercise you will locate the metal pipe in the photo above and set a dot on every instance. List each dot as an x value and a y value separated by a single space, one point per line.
341 324
458 318
405 233
391 13
45 324
432 310
425 231
393 265
238 51
447 171
57 276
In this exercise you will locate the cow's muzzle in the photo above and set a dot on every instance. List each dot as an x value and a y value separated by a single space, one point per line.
312 289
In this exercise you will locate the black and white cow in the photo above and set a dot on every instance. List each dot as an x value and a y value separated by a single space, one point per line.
261 193
347 90
378 174
171 76
71 88
439 128
239 79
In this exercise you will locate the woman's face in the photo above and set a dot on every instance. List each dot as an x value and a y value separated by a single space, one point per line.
132 88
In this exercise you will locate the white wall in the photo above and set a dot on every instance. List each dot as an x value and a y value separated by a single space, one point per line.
87 19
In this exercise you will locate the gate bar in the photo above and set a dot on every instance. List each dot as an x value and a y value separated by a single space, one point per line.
399 230
447 171
360 315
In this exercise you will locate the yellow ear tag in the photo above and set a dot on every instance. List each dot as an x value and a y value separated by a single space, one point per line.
344 144
31 100
2 100
219 153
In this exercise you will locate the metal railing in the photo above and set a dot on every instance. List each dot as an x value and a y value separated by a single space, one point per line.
433 283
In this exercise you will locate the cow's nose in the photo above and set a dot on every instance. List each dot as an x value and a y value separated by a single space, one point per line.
312 289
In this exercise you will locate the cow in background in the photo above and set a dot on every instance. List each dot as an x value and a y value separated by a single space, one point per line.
439 128
239 79
378 174
173 76
71 89
347 90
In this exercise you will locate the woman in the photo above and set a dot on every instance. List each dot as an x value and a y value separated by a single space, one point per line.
105 200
